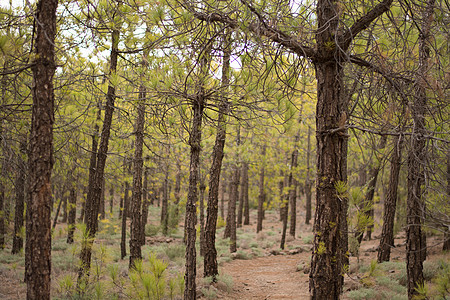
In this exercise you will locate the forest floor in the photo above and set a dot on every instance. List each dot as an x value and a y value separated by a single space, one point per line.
259 269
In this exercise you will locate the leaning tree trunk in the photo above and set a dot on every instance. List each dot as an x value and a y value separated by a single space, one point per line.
390 203
136 226
415 239
96 189
38 233
261 192
20 199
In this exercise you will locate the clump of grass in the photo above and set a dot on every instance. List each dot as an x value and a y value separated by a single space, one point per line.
152 230
175 251
225 281
308 239
361 294
209 292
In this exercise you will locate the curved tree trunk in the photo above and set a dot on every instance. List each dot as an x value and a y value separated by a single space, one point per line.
38 232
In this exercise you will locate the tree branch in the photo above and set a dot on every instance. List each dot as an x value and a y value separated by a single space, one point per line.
362 23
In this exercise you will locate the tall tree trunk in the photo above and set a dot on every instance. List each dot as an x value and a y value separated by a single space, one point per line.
38 233
72 213
177 188
244 181
446 245
136 226
222 198
415 239
55 220
261 191
123 239
102 210
284 209
165 203
308 183
20 199
293 188
111 200
2 195
231 217
202 188
368 203
145 204
245 191
191 212
390 203
83 204
96 188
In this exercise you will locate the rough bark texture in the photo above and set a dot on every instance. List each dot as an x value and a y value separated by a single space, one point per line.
91 218
145 204
415 239
308 183
390 203
210 257
20 200
293 188
38 240
111 200
261 192
123 238
136 226
202 188
165 203
72 214
368 204
191 211
245 192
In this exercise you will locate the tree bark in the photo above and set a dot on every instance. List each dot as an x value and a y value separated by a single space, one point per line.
72 214
390 203
245 191
222 198
165 203
202 217
123 239
261 192
293 188
308 183
38 232
145 204
415 239
231 217
111 200
20 199
136 226
91 218
198 106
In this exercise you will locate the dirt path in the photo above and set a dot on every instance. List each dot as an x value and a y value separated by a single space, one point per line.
271 277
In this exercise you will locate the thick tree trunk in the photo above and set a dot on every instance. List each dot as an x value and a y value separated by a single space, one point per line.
415 239
136 226
72 214
123 239
308 183
38 233
390 203
191 212
96 189
20 199
261 192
